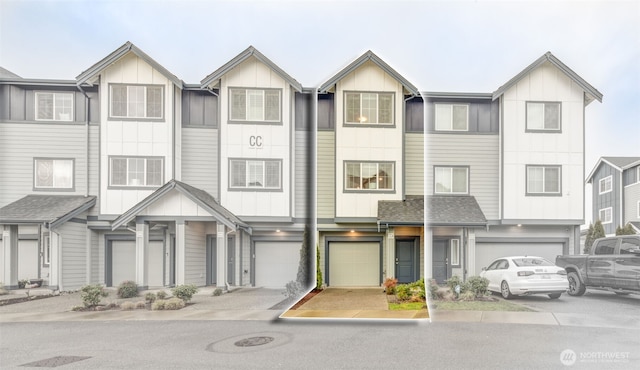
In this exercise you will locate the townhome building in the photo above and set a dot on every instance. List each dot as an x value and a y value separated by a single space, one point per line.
616 193
128 173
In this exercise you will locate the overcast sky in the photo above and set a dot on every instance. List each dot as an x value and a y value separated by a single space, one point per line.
456 46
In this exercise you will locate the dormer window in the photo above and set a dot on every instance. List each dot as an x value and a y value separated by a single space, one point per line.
368 108
136 101
54 106
452 117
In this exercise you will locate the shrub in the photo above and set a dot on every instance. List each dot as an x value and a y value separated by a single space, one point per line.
3 291
293 289
217 292
318 270
91 295
417 289
184 292
478 285
403 292
128 305
150 297
390 285
158 305
468 296
434 290
456 280
174 304
128 289
140 305
161 294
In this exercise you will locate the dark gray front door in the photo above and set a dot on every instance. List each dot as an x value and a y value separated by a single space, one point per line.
441 269
212 260
172 261
406 261
231 260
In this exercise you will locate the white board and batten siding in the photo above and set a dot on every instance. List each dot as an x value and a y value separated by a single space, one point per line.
276 142
362 144
144 138
565 148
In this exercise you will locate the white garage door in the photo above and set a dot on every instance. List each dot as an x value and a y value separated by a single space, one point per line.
487 252
354 264
276 263
28 259
123 261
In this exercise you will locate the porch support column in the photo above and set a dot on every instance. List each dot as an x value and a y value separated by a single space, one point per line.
10 241
471 263
55 261
142 254
221 250
428 254
180 252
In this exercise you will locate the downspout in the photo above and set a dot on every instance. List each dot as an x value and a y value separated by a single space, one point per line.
465 245
86 114
226 236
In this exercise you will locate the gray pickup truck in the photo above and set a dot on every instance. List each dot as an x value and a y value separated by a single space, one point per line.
613 264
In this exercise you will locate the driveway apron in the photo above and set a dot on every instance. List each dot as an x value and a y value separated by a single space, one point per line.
348 299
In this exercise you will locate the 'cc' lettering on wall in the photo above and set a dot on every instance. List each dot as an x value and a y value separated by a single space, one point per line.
255 141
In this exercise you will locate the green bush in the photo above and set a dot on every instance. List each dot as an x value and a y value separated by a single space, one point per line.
150 297
318 269
456 280
140 305
174 304
478 285
417 289
127 289
161 294
128 305
3 291
434 290
158 305
184 292
403 292
91 295
468 296
293 289
217 292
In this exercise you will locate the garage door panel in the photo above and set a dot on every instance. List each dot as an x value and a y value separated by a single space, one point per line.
354 264
276 263
28 259
156 263
487 252
123 261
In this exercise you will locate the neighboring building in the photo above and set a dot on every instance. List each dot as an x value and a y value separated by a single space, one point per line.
128 173
616 192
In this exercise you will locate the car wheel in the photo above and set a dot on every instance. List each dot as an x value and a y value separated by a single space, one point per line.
504 289
576 288
555 295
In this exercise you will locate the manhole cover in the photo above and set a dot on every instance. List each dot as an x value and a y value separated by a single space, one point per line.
56 361
253 341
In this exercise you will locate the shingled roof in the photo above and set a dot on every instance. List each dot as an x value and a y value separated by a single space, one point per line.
54 210
401 212
454 210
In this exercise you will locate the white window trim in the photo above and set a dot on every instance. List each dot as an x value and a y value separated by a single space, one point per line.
544 192
369 190
127 185
543 129
450 126
610 210
455 252
144 117
264 107
71 115
247 187
369 122
53 187
608 179
451 168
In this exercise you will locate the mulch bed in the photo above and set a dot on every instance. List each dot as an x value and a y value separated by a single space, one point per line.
8 301
304 299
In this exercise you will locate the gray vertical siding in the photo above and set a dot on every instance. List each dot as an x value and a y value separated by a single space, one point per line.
199 109
414 164
195 253
631 199
483 114
611 199
94 166
17 103
325 169
326 112
200 159
73 255
629 176
303 170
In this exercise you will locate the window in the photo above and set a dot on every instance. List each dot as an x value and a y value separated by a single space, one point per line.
543 116
255 105
46 250
543 180
255 174
455 252
605 215
605 184
53 173
606 246
368 176
136 171
54 106
451 180
630 246
136 101
452 117
368 108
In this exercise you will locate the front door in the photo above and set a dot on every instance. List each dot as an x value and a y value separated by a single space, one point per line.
231 260
441 267
172 261
211 258
406 261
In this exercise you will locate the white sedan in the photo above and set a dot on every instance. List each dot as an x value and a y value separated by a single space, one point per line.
524 275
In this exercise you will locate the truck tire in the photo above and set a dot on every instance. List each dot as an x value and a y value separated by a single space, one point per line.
576 287
554 295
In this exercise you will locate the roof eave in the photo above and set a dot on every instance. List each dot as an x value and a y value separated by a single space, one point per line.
61 220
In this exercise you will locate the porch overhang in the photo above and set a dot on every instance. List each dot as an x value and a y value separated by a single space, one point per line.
50 210
407 212
460 211
200 197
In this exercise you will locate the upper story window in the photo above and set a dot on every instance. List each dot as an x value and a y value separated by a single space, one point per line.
254 174
605 215
544 180
255 105
451 180
452 117
368 176
136 171
368 108
53 174
605 185
54 106
136 101
543 116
